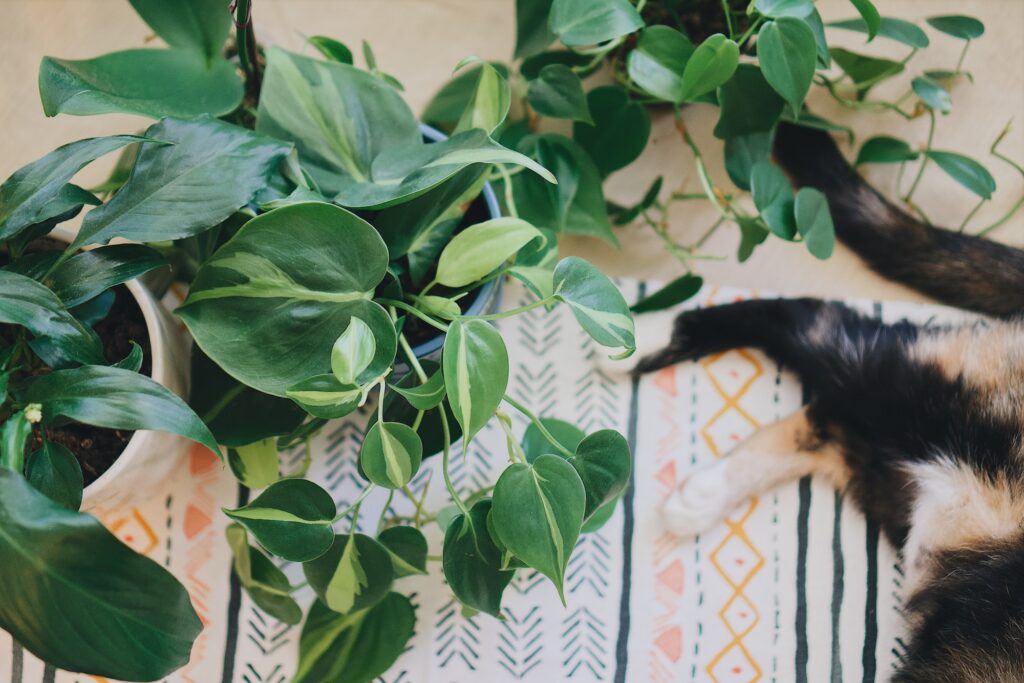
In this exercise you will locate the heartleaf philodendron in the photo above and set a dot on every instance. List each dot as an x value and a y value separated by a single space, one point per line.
472 562
291 518
597 304
475 364
391 454
354 574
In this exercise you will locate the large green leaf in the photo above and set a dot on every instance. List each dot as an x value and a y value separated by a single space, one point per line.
596 302
814 221
558 92
479 249
354 648
658 62
532 32
71 576
354 574
211 170
576 204
958 26
391 454
25 302
885 150
472 562
475 365
863 70
773 197
748 104
298 272
89 273
586 22
153 83
538 511
266 585
788 56
200 25
965 171
900 30
743 152
54 471
620 129
291 519
408 548
26 195
711 64
603 463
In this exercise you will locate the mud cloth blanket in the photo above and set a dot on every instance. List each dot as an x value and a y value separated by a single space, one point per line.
794 588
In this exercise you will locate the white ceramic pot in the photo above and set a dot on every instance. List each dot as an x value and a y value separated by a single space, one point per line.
150 457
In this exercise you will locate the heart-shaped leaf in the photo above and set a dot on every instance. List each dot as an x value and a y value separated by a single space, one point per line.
900 30
603 463
455 98
291 519
51 556
596 302
472 562
965 171
55 472
558 92
532 32
535 444
958 26
814 221
788 56
620 130
479 249
748 104
489 103
355 648
538 510
744 152
353 351
391 454
427 395
256 465
475 365
773 197
587 22
676 292
301 271
154 83
200 25
266 585
354 574
408 549
658 62
883 149
711 65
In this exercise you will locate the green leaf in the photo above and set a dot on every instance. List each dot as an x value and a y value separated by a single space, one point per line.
398 409
785 8
773 197
479 249
619 131
472 562
133 360
408 549
54 471
427 395
675 292
576 204
883 149
530 68
331 49
153 83
965 171
354 648
14 437
752 233
438 306
354 574
869 13
932 94
744 152
788 56
536 278
353 351
89 273
958 26
824 59
895 29
535 444
256 464
324 396
711 64
266 585
291 519
532 32
73 576
25 197
391 454
538 510
25 302
558 92
603 462
601 517
174 191
814 221
596 302
865 71
449 103
658 61
748 104
488 106
587 22
649 199
301 271
200 25
475 365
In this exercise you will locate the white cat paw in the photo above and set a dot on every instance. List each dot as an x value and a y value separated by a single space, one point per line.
701 502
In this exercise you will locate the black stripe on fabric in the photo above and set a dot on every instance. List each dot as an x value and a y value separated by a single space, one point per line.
17 662
622 643
234 608
838 587
802 528
871 606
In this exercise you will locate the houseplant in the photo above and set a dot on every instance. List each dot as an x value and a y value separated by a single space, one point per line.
320 236
755 61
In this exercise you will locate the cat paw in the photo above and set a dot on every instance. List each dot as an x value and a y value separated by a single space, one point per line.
701 502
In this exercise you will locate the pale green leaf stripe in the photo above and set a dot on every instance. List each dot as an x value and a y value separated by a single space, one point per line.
272 515
349 579
313 655
398 468
616 324
553 530
462 378
323 398
492 156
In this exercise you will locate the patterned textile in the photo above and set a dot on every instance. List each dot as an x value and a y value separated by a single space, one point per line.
794 588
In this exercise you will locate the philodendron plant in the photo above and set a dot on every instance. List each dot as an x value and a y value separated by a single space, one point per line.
322 238
755 60
73 594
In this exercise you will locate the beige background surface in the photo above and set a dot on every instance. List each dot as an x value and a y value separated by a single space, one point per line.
420 41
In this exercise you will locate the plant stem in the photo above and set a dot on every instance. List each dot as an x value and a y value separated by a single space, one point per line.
1007 216
512 311
710 231
245 43
539 425
728 17
414 311
355 504
510 200
384 511
924 161
963 53
970 216
445 458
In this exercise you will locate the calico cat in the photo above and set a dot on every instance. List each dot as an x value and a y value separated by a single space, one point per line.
923 428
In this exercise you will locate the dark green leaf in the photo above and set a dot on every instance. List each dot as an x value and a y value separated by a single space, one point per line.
535 444
785 8
675 292
748 104
14 436
133 359
200 25
558 92
658 62
266 585
291 519
354 574
773 197
742 153
596 302
586 22
391 454
530 68
865 71
869 13
475 373
752 233
711 64
932 94
965 171
73 576
55 472
814 221
958 26
788 55
619 131
89 273
603 463
532 32
331 49
408 549
884 150
355 648
153 83
427 395
472 561
895 29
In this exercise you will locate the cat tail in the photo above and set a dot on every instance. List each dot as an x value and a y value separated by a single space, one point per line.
955 268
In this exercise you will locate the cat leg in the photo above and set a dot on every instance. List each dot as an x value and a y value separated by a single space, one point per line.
783 451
